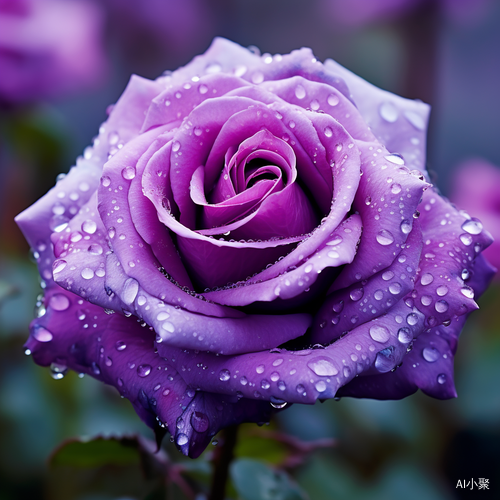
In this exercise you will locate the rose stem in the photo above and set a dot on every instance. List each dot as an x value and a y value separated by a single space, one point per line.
223 455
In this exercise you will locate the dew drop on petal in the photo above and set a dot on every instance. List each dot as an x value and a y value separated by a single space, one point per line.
130 290
441 306
260 369
384 237
389 111
468 292
412 319
333 99
426 279
384 361
224 375
395 288
300 92
472 226
430 354
89 227
59 302
182 439
144 370
42 334
320 386
466 239
405 226
441 378
199 421
328 132
379 333
442 290
404 335
87 273
322 367
128 173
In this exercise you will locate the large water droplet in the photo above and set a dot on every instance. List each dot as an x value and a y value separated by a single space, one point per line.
472 226
42 334
199 421
442 290
404 335
379 333
333 99
128 173
384 237
441 306
426 279
384 361
320 386
405 226
395 288
58 370
260 369
430 354
59 302
441 378
468 292
389 111
466 239
412 319
300 92
224 375
144 370
322 367
356 294
130 290
87 273
182 439
277 403
89 227
58 266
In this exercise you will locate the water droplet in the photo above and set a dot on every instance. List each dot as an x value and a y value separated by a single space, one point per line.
442 290
441 378
300 389
176 145
320 386
468 292
465 274
260 369
300 92
426 300
395 288
396 159
472 226
466 239
323 367
243 381
58 370
105 181
120 345
430 354
338 306
389 111
224 375
426 279
59 302
384 361
96 370
384 237
130 290
42 334
379 294
328 132
128 173
265 384
404 335
379 333
182 439
111 232
356 294
405 226
144 370
281 385
277 403
277 362
87 273
387 275
333 99
412 319
169 327
199 421
202 89
58 266
441 306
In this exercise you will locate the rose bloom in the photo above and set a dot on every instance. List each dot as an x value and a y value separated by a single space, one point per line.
48 47
251 231
476 188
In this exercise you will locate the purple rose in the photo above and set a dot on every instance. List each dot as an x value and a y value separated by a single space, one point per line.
48 47
243 235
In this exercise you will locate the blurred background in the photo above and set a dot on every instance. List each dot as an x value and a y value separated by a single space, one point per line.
62 62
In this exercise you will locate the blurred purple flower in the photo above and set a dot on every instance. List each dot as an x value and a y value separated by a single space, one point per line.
476 189
48 48
242 236
361 12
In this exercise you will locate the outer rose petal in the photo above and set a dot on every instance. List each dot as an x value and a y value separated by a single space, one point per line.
119 351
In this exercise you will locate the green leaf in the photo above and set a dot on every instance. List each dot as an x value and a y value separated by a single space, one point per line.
97 453
254 480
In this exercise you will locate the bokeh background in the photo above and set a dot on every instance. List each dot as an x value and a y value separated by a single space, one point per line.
62 62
